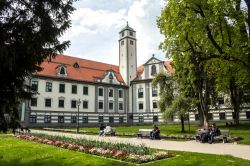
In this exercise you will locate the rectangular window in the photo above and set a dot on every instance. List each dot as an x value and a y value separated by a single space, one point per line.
60 119
122 34
61 88
140 106
111 119
197 117
47 102
120 93
141 119
85 119
248 114
74 89
100 105
140 93
122 42
120 106
154 92
222 115
210 116
85 90
131 42
111 92
34 85
154 104
221 100
47 119
32 118
155 118
33 102
130 33
100 92
48 87
61 103
73 119
85 104
111 105
100 119
73 103
121 119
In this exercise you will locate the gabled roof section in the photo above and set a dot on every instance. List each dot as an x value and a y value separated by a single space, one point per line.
153 59
88 70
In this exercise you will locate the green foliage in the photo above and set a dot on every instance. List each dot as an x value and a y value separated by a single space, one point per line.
209 43
29 35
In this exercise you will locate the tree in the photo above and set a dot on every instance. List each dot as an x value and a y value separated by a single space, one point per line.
171 102
29 35
203 31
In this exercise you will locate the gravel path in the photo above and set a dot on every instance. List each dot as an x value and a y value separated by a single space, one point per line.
241 151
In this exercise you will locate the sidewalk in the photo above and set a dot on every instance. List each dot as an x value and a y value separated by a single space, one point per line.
241 151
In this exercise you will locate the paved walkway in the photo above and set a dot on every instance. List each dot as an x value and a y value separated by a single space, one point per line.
241 151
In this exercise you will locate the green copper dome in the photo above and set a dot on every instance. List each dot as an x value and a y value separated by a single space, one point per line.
127 28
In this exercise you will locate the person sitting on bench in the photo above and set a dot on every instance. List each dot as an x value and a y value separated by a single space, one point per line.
213 131
155 133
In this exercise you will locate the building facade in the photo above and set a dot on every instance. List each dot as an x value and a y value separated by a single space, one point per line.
72 89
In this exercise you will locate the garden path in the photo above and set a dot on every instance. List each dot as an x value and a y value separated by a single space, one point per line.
241 151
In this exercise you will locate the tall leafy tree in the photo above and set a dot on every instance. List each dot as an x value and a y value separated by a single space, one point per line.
200 32
29 32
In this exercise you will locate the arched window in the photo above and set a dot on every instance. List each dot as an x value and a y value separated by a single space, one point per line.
62 71
153 70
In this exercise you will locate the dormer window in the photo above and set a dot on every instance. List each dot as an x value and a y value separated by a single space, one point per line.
62 71
111 78
76 65
153 70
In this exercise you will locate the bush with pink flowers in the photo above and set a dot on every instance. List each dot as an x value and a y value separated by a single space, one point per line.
101 151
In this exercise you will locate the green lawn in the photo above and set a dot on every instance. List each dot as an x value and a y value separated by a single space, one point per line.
19 152
243 130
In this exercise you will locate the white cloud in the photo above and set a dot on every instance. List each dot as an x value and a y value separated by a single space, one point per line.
95 28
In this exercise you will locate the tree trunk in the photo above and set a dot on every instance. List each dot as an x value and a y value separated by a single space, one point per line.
182 124
235 94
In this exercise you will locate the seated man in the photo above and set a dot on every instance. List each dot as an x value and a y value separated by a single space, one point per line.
155 133
102 128
214 131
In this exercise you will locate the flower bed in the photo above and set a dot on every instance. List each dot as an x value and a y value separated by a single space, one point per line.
100 151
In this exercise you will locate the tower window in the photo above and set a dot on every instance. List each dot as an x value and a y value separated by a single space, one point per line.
153 70
122 34
131 42
122 42
131 33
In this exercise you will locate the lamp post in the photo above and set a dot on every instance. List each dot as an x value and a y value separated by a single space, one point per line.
78 104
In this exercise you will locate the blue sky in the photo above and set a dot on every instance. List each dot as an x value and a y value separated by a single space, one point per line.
96 24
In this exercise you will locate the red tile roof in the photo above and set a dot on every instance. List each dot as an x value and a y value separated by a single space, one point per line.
88 70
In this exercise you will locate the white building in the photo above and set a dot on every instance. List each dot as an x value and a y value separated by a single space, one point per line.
107 93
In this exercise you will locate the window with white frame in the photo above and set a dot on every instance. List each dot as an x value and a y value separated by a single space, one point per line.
47 102
85 104
85 90
140 106
34 85
111 105
120 106
120 93
154 91
100 105
47 119
100 91
48 87
111 92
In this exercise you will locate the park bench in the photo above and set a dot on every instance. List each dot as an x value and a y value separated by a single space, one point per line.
109 131
224 134
145 133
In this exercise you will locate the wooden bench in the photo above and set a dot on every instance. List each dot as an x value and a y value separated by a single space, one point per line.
224 134
144 133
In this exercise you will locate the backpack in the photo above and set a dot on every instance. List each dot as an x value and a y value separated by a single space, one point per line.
204 137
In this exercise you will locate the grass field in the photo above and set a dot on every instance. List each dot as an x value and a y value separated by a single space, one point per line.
19 152
243 130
